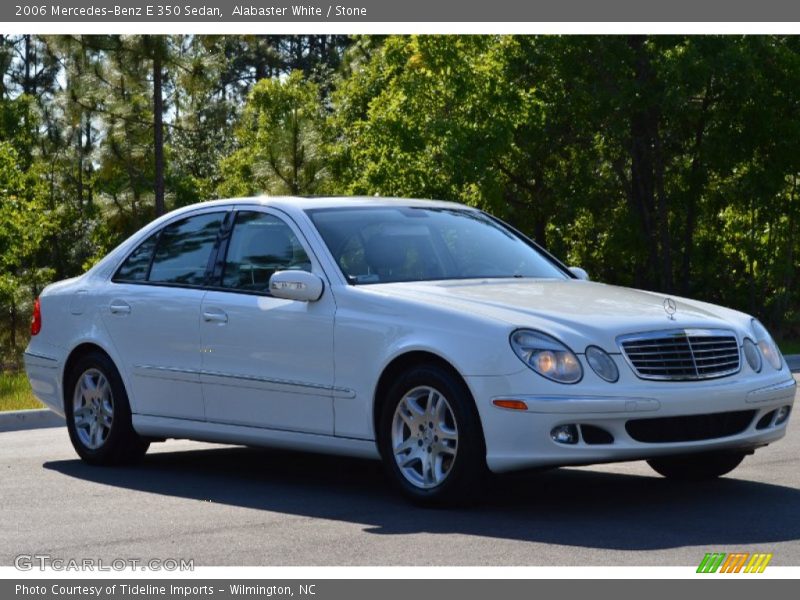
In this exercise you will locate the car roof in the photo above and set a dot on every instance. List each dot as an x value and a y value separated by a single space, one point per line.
292 203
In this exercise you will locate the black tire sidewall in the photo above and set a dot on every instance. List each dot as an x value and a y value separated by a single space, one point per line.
463 483
122 439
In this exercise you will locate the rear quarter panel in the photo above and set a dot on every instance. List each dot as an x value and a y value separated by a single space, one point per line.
70 317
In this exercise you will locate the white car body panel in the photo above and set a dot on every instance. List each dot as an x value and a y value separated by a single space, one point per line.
304 375
254 353
157 342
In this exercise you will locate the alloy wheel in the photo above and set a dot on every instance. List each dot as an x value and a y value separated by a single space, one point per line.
424 437
93 408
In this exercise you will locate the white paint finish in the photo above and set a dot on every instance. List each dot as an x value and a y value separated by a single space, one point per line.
272 369
518 439
577 312
158 342
268 361
296 285
269 339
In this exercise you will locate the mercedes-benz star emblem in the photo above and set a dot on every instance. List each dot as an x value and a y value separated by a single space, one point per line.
670 308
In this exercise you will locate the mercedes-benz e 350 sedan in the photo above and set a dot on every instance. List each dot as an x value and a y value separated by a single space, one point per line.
428 334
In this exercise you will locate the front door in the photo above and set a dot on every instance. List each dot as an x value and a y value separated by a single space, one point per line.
266 362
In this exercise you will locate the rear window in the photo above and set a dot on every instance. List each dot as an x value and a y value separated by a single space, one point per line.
184 250
177 254
137 265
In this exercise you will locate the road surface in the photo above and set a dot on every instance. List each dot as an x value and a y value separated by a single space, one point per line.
222 505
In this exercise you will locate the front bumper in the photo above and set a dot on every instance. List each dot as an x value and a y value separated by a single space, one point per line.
518 439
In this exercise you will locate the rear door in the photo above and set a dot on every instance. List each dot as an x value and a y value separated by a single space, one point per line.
152 312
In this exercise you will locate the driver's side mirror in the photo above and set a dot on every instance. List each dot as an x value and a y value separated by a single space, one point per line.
579 273
296 285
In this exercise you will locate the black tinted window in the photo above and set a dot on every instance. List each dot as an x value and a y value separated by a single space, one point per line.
135 266
260 245
184 250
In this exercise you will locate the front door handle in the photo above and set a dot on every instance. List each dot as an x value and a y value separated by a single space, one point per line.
119 307
215 315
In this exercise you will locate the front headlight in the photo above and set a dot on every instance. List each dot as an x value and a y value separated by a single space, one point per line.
602 364
547 356
752 354
767 346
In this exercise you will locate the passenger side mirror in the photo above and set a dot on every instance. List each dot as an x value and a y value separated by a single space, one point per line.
296 285
579 273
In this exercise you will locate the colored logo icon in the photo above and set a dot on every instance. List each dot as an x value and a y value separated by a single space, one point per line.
736 562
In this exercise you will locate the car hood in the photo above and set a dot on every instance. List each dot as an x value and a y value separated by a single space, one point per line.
578 312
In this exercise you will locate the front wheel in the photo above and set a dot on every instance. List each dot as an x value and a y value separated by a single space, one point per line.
98 414
430 438
697 467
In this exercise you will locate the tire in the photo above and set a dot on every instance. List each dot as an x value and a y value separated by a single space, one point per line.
697 467
98 413
444 464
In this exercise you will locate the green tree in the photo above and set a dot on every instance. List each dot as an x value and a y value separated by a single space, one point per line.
24 223
666 163
279 140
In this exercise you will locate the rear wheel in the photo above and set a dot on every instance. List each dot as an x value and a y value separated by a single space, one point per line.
430 438
697 467
98 413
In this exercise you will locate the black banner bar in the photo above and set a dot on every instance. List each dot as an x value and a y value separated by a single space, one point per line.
266 11
417 589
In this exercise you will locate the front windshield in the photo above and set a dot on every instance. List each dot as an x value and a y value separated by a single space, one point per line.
388 244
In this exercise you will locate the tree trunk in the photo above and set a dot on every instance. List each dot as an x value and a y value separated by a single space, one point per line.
158 131
87 149
13 332
663 216
696 182
295 154
79 165
643 132
789 268
27 82
3 90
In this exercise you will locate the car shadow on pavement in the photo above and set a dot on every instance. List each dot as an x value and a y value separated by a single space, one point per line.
577 507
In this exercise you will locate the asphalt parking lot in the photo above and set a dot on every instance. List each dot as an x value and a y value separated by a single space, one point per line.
222 505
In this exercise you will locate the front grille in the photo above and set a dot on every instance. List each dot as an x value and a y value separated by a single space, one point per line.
682 354
692 428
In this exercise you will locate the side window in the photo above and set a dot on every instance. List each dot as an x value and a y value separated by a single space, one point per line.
137 264
260 245
184 250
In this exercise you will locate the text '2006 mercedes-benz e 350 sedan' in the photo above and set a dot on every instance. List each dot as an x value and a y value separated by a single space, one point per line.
428 334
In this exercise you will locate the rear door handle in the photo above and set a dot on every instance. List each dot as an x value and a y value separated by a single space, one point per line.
120 307
215 315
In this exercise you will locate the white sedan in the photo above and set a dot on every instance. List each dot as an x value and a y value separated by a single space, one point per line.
428 334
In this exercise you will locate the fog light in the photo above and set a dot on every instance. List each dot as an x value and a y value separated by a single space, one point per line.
783 414
752 354
565 434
